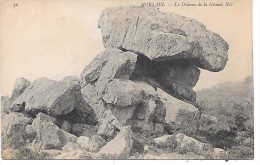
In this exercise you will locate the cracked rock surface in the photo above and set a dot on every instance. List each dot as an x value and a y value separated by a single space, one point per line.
49 96
162 36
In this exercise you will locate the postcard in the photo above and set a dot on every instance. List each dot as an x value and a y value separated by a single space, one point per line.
139 80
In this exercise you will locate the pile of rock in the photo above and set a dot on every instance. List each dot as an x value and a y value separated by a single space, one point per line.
141 82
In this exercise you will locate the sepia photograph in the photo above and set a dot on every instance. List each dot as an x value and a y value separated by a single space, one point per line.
127 80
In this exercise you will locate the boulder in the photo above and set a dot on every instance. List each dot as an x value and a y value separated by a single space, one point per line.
188 144
19 86
13 126
107 129
103 116
180 114
118 66
92 144
219 153
185 116
162 36
90 96
51 136
123 93
135 92
108 65
92 71
166 141
119 147
134 103
71 146
95 143
83 141
154 111
49 96
108 123
123 114
123 96
40 118
149 116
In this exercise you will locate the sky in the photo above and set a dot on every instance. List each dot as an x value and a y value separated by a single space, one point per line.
58 38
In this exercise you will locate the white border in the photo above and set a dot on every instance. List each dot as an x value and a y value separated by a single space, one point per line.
256 161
